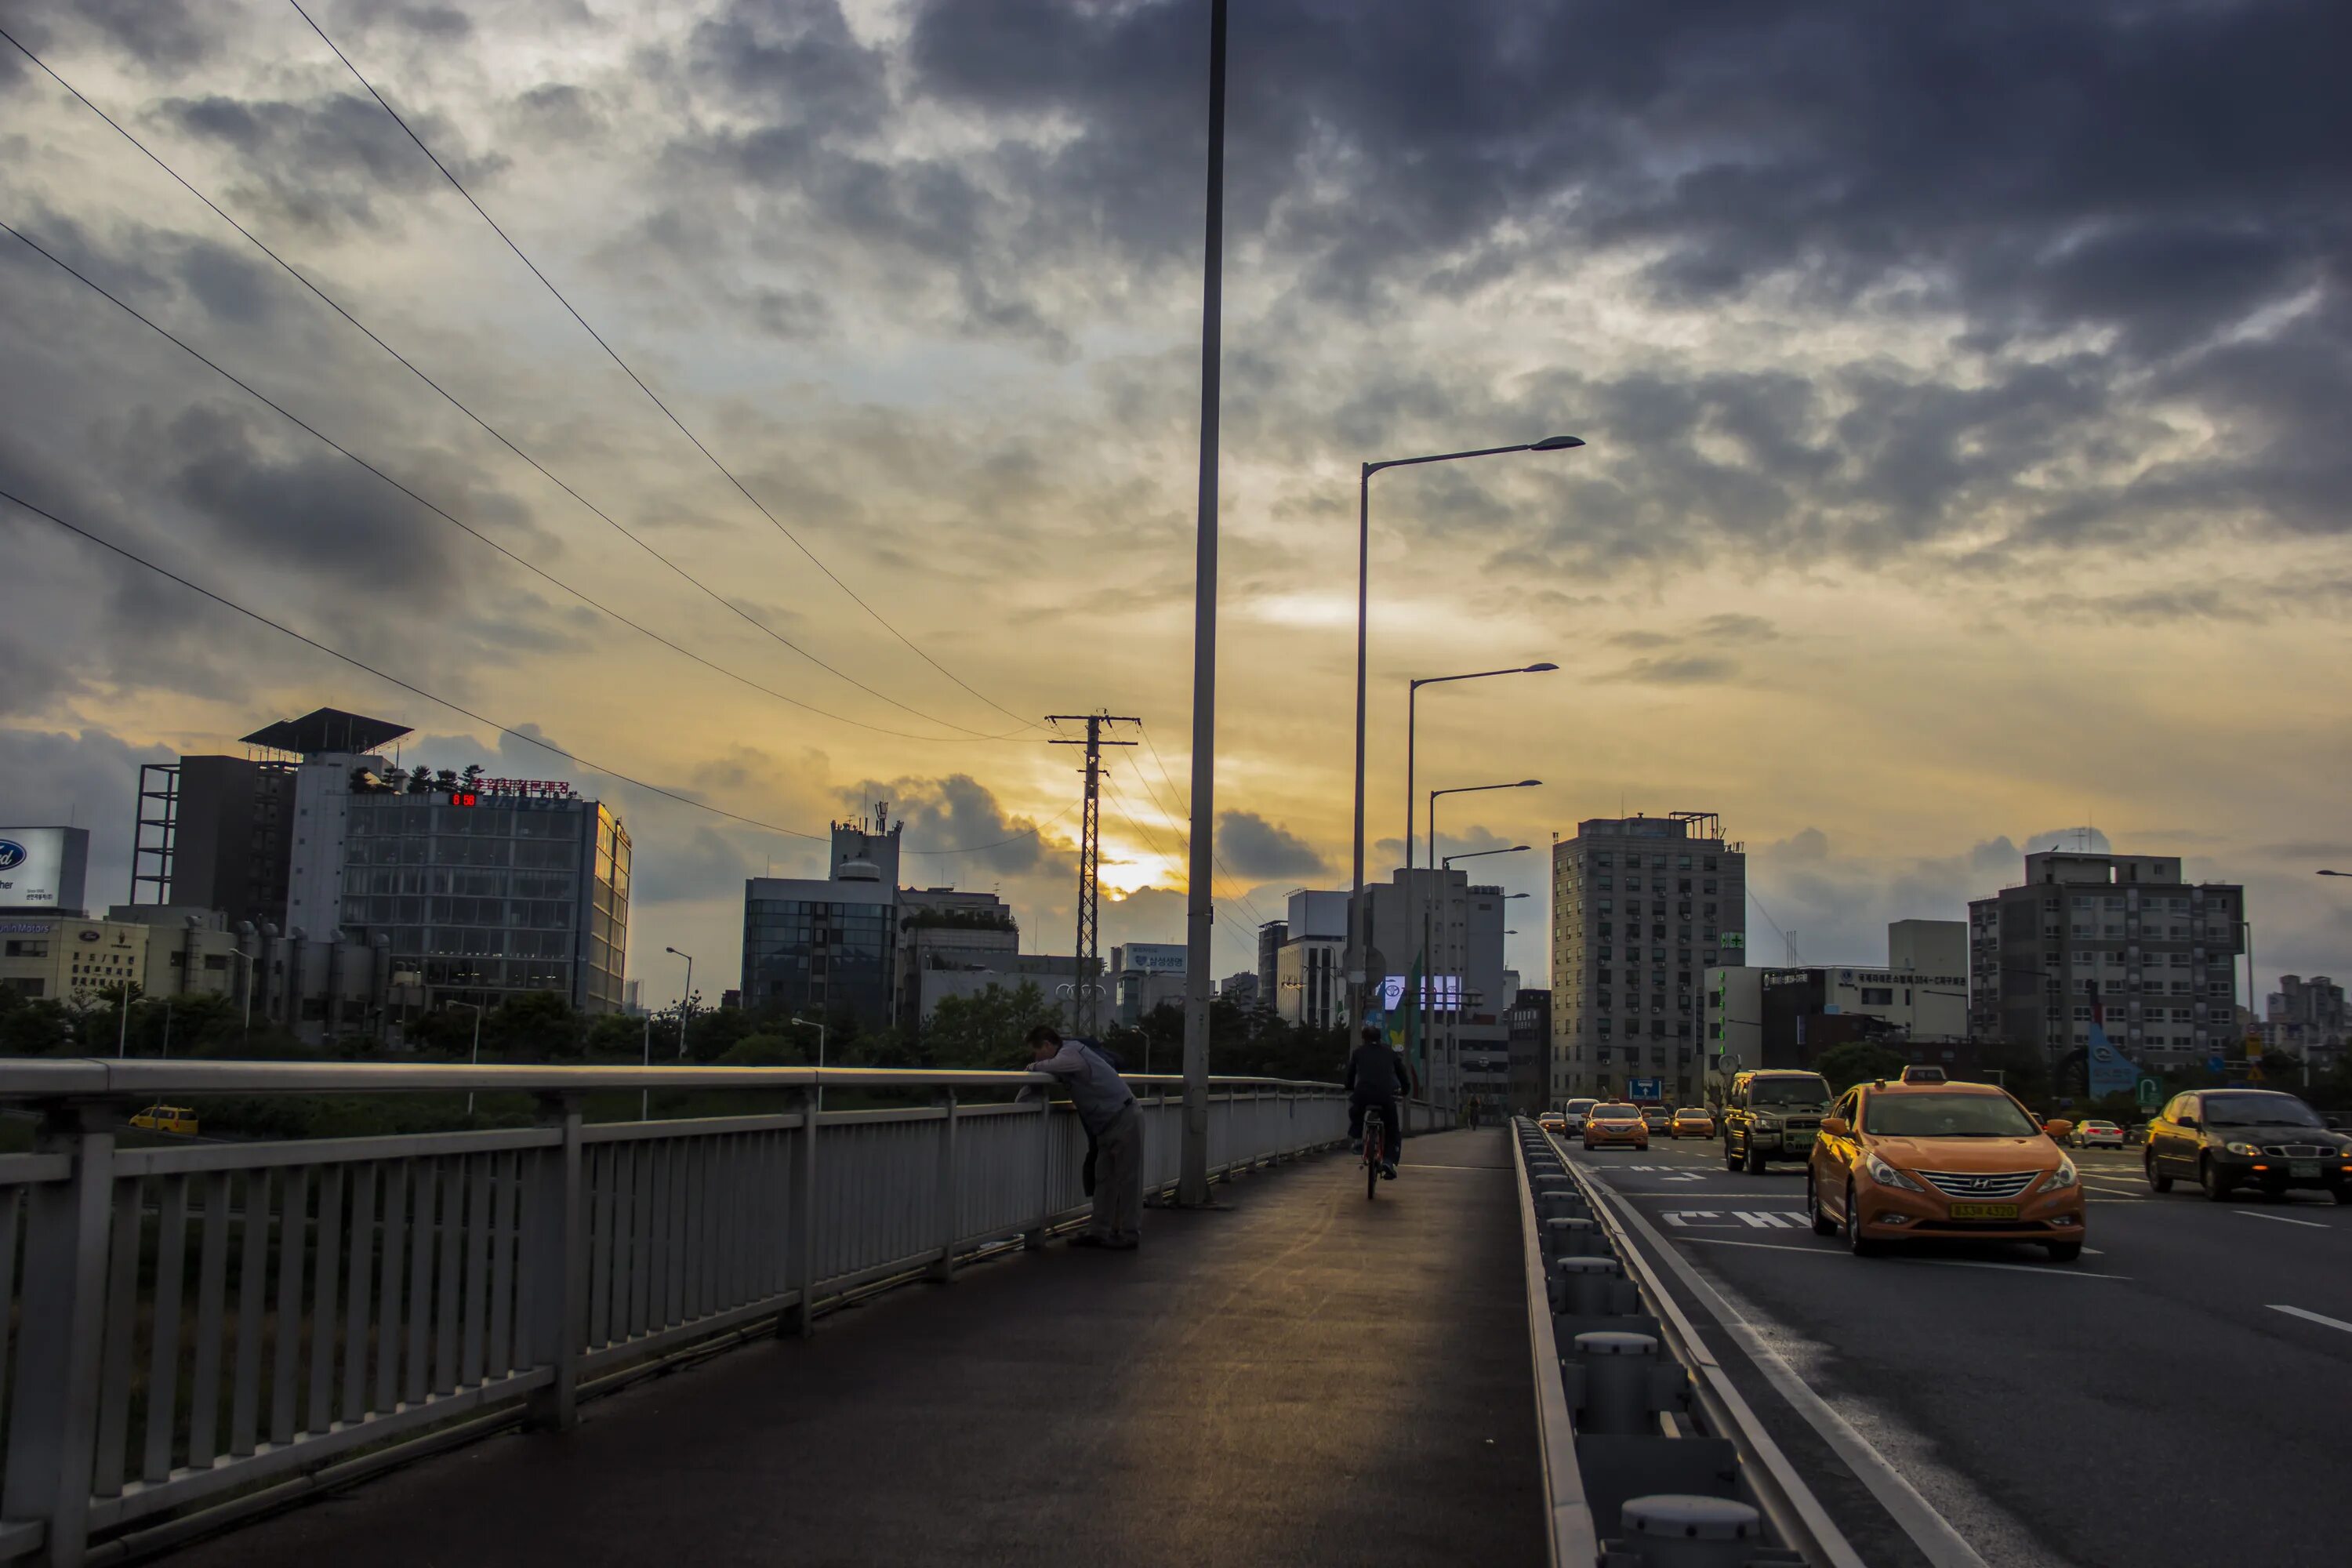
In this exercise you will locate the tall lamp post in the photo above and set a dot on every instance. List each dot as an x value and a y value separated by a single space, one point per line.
819 1027
475 1059
686 1002
1459 789
1363 600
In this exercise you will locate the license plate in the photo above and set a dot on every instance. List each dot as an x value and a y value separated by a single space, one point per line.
1984 1211
1798 1139
2303 1167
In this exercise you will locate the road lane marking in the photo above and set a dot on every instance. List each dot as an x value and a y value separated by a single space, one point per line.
1763 1246
2313 1316
2257 1214
1763 1219
2046 1270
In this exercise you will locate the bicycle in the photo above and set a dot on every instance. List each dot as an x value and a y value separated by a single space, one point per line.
1376 1132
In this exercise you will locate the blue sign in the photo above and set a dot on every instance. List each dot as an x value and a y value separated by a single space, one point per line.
1646 1089
2111 1072
12 853
2213 1064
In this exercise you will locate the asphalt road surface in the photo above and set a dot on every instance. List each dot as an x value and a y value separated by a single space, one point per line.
2182 1395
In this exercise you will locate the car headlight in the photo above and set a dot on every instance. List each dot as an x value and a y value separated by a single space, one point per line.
2241 1148
2064 1176
1765 1125
1887 1176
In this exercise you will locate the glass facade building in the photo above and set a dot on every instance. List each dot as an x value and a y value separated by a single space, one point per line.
489 900
827 948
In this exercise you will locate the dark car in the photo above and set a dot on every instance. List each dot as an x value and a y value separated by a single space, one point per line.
1659 1118
2224 1139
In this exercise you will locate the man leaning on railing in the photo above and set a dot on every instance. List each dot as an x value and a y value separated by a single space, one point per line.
1107 1109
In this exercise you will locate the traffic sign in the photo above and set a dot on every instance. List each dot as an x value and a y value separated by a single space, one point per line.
1645 1088
2150 1091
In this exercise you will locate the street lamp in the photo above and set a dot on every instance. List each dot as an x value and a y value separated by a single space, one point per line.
2335 873
477 1057
686 1002
813 1023
1363 599
1412 703
1447 864
1422 1002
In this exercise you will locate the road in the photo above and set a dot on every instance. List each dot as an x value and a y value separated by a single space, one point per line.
2182 1395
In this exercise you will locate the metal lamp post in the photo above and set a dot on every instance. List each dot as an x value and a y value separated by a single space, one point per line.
813 1023
476 1059
1363 595
1422 1002
686 1002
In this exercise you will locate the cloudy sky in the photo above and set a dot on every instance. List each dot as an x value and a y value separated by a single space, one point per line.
1964 387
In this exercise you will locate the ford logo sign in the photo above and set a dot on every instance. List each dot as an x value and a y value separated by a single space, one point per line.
12 854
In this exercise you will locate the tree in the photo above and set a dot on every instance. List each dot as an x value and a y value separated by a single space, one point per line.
34 1026
421 782
987 1030
446 781
1859 1061
472 777
536 1026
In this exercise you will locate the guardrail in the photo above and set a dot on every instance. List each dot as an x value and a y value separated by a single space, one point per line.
1652 1459
197 1324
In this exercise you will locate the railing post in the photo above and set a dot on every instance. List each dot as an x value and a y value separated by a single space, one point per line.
800 1319
943 1266
53 1428
554 1256
1035 1238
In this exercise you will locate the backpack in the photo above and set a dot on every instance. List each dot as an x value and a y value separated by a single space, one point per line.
1112 1056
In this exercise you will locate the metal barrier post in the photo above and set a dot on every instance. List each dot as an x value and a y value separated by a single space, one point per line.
943 1267
1035 1238
800 1318
53 1428
554 1256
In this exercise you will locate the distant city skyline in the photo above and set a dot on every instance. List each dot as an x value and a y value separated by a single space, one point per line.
1943 491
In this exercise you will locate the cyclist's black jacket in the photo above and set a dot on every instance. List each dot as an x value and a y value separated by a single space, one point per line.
1375 1072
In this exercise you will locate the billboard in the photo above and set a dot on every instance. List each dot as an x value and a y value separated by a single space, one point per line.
42 867
1153 957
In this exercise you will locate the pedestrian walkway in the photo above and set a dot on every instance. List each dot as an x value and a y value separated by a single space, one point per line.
1300 1377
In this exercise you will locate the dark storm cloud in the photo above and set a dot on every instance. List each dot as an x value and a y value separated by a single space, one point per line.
163 35
1257 850
960 813
329 162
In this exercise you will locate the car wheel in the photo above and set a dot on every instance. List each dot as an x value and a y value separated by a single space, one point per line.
2157 1179
2216 1185
2064 1251
2342 1192
1754 1162
1823 1223
1730 1154
1855 1242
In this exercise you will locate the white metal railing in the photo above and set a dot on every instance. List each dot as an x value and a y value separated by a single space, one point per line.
188 1323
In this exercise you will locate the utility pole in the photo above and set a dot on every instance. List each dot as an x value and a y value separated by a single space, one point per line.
1086 996
1200 908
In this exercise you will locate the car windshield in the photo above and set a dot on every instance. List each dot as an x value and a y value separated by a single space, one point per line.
1575 1106
1789 1092
2259 1111
1946 1116
1615 1112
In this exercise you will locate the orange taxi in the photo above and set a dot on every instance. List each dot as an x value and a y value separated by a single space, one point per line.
1614 1124
1901 1162
1692 1121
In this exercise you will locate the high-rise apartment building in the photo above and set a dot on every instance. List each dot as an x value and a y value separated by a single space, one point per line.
2124 931
2305 1018
1641 908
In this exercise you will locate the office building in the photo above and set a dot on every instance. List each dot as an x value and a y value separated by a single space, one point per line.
1145 975
1270 938
944 931
1528 1026
1641 908
217 832
828 947
2126 929
1453 930
2305 1019
1055 977
1917 1002
164 951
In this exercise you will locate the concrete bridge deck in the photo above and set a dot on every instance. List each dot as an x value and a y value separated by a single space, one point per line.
1302 1377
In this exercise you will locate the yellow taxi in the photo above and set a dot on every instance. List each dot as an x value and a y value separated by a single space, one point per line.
1692 1121
166 1119
1614 1124
1913 1161
1551 1121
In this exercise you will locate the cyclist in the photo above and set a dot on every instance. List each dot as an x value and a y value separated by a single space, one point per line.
1377 1076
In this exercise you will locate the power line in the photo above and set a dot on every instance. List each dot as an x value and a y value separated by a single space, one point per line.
302 424
1118 804
491 430
1235 893
545 745
460 188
